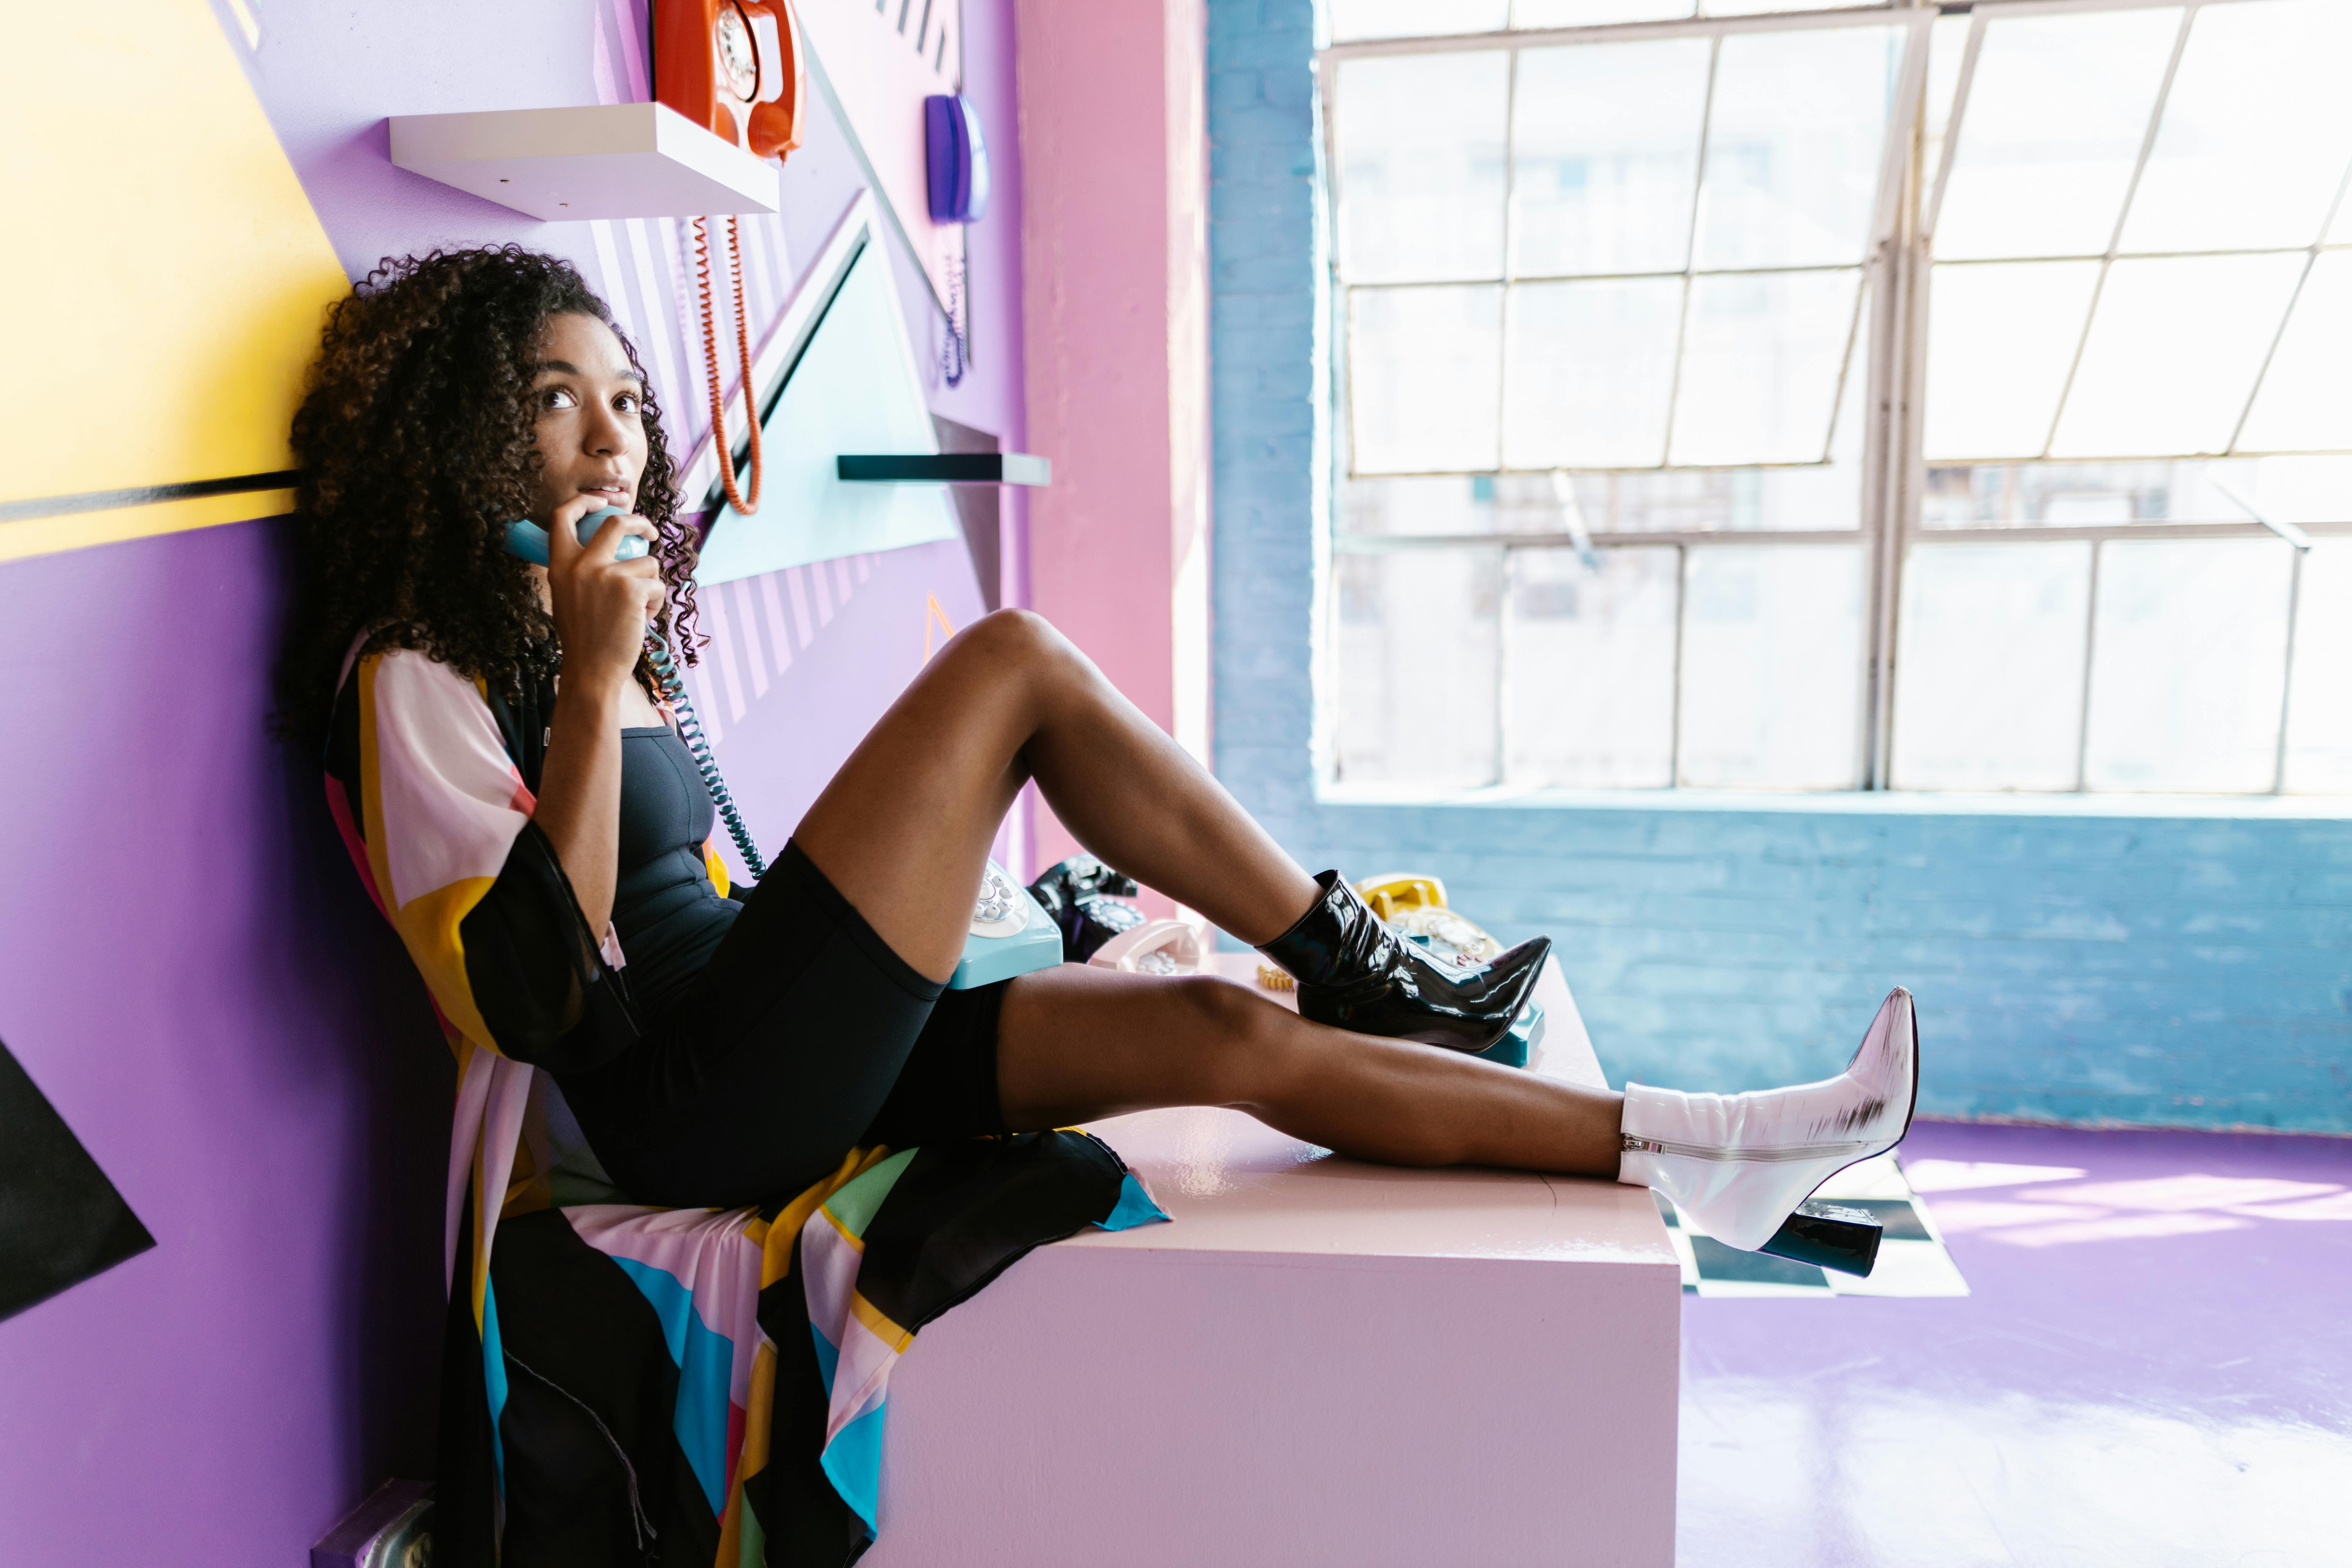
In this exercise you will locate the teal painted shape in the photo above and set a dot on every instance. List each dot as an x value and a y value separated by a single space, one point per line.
706 1365
853 1462
989 959
1134 1207
854 390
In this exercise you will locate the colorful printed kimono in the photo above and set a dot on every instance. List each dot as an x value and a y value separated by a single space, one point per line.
624 1384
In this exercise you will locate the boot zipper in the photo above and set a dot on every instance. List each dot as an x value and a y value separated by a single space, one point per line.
1629 1144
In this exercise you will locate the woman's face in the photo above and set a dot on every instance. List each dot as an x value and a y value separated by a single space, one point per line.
589 408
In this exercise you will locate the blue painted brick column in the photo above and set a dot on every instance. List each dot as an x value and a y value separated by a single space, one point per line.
2091 961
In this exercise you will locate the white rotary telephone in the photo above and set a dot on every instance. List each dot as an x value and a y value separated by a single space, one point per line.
1011 934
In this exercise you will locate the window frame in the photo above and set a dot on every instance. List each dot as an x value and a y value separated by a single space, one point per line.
1890 331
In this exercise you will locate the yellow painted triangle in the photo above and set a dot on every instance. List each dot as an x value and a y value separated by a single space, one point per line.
165 276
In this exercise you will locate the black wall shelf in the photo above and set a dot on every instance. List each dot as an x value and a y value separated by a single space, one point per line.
946 467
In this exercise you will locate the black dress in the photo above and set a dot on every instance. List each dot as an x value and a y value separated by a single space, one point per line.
779 1030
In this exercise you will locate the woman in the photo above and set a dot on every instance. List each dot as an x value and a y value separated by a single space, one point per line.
721 1046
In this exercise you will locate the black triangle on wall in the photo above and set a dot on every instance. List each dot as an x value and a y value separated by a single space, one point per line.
62 1221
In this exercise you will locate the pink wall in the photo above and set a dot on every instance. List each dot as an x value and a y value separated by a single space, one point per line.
187 966
1114 300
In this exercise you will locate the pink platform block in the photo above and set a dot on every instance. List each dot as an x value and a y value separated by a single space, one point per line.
1321 1362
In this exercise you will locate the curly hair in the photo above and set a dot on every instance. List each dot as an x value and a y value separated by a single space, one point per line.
415 445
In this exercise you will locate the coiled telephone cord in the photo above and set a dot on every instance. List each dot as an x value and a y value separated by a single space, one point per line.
689 730
744 504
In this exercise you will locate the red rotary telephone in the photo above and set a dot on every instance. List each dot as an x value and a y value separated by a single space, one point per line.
736 68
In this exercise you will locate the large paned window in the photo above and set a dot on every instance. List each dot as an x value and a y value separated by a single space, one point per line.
1775 397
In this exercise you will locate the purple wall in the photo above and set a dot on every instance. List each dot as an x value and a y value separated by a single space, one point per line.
188 968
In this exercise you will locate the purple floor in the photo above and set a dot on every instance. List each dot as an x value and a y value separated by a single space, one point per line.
2154 1367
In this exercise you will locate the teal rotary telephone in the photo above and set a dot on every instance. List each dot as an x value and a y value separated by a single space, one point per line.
1011 931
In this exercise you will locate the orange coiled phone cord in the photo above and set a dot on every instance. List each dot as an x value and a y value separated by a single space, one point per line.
744 504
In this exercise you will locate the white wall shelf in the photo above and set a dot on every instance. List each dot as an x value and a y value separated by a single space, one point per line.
614 160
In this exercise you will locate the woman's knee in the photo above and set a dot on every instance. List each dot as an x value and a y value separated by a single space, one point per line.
1235 1039
1019 642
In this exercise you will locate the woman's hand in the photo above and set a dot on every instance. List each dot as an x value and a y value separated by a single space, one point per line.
601 604
601 609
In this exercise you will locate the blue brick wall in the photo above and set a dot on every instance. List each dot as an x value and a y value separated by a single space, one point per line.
2093 961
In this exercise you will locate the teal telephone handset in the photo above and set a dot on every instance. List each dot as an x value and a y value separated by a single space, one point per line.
1011 931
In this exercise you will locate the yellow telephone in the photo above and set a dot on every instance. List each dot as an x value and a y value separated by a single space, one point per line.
1414 903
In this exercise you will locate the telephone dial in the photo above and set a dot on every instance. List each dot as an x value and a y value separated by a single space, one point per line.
1010 932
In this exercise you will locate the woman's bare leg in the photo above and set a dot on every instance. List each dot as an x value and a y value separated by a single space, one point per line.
1076 1043
904 827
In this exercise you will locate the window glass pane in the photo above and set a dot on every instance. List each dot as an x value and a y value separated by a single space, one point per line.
1590 670
2174 348
1760 361
1990 690
1794 144
2319 715
1605 156
1352 19
1772 666
1591 373
2186 490
2000 338
1817 495
2053 123
1423 503
1421 168
2305 403
2254 137
1415 666
2185 677
1424 371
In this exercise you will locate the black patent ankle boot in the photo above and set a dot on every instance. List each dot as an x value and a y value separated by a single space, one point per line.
1354 972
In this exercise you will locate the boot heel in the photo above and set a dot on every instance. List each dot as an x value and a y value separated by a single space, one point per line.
1828 1235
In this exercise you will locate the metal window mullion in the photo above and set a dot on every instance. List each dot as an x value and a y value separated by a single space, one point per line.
1824 20
1502 405
1339 458
1501 774
1675 717
1861 297
2079 534
2123 217
1904 121
1394 543
1897 447
1828 18
1952 123
1405 284
2090 660
1510 238
2286 684
1690 259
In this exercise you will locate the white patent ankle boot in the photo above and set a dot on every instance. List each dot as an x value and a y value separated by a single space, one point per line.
1743 1165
